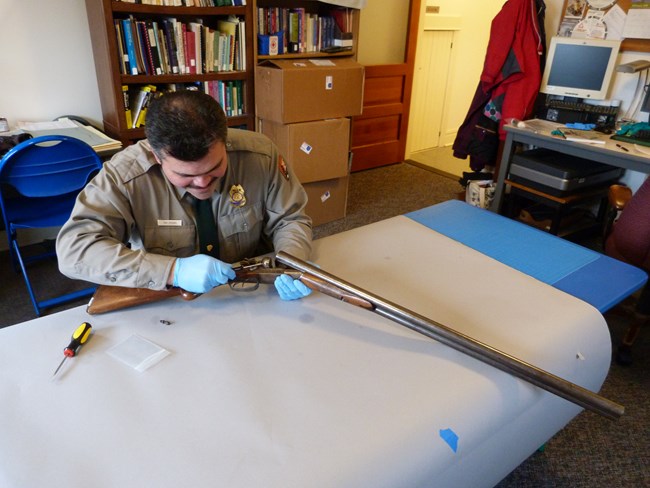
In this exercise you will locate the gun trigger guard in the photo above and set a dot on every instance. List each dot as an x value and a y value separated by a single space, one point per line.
245 285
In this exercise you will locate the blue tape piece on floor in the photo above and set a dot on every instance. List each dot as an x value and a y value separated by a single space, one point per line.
506 240
450 437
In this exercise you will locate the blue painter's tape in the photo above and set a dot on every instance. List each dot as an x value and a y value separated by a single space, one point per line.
450 437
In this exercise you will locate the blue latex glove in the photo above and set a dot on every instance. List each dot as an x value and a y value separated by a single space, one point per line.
580 126
290 289
201 273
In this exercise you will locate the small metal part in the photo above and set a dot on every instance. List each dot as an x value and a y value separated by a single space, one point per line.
165 322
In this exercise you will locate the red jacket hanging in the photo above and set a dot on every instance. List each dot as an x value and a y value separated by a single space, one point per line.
509 82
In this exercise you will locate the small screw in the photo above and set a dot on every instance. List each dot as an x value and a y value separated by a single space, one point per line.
165 322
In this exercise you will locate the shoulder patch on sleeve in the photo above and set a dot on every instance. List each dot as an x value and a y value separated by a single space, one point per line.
282 166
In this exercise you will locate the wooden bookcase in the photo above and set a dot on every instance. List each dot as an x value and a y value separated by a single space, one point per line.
101 16
311 7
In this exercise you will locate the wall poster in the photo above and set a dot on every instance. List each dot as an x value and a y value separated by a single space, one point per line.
627 20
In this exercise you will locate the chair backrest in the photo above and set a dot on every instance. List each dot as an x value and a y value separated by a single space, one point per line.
49 166
629 239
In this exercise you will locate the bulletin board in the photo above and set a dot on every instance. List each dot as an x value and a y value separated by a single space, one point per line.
606 19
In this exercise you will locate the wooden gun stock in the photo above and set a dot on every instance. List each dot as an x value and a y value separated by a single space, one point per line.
109 298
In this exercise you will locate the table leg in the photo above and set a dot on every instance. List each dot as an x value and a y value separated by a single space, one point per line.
503 171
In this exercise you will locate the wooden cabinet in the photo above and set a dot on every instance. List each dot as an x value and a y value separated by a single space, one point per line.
112 77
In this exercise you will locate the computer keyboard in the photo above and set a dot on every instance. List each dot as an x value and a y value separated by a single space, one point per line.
581 107
565 111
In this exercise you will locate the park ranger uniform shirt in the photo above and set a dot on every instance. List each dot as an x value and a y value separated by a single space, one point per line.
130 222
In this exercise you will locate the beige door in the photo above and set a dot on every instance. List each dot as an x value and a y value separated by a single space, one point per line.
431 83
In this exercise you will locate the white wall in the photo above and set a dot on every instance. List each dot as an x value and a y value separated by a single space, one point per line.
47 62
382 38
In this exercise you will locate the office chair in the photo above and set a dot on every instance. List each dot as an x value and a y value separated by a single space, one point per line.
628 239
39 182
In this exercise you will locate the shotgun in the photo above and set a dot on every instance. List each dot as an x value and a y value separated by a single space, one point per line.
250 273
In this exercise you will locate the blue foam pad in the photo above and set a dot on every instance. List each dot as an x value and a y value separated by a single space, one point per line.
532 251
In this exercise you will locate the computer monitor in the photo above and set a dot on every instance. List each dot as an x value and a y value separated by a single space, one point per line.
580 68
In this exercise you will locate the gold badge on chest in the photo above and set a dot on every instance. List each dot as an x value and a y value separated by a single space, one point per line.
237 196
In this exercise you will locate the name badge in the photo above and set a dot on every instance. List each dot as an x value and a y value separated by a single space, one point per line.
170 223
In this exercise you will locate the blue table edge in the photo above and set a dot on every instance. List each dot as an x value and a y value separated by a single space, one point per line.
579 281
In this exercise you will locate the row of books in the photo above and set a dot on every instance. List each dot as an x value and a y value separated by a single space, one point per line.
302 31
229 94
189 3
169 46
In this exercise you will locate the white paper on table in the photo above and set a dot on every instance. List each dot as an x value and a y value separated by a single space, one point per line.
138 352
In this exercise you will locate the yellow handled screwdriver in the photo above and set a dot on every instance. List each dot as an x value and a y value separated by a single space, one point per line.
79 337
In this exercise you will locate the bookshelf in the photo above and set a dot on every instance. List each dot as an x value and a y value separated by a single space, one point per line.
277 13
170 70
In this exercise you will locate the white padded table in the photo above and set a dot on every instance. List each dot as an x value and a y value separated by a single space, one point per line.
258 392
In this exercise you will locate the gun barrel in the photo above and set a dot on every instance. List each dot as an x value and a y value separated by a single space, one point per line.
465 344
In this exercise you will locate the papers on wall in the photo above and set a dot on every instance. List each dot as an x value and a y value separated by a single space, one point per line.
637 24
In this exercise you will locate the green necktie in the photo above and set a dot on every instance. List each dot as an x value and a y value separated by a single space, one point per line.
207 228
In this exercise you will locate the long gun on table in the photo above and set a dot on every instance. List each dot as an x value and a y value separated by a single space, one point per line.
250 273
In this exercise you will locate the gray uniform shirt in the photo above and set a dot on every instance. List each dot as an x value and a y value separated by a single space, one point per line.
130 222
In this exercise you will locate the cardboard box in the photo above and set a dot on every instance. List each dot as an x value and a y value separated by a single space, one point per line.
327 199
302 90
316 150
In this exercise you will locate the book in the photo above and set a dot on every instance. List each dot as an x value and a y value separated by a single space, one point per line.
196 29
121 48
156 57
71 128
139 55
190 51
127 106
145 47
140 105
127 31
179 43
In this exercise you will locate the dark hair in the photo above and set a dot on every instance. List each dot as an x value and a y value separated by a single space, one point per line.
185 125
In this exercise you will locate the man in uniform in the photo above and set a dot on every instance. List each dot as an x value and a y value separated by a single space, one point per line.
138 224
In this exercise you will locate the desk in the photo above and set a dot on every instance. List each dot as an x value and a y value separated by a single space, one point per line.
312 393
606 153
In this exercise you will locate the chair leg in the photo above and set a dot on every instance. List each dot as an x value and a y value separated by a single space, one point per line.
12 252
27 282
624 352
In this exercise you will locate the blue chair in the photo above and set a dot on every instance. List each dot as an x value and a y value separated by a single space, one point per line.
39 182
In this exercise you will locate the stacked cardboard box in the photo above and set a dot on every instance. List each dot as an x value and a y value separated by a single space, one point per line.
303 106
